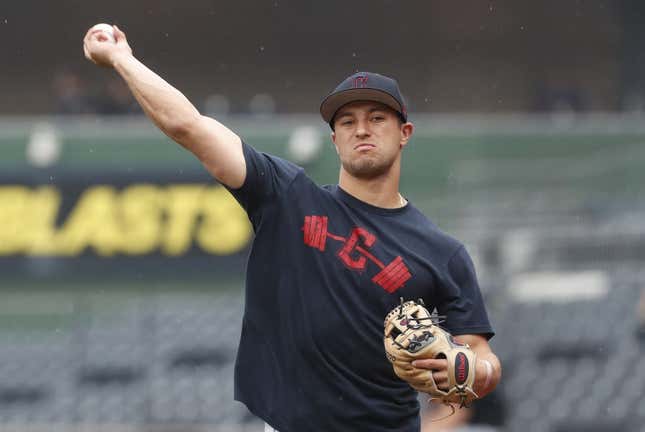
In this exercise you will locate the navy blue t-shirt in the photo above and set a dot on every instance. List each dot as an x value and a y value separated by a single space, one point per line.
324 270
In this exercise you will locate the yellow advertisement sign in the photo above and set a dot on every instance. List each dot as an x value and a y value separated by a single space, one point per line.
138 219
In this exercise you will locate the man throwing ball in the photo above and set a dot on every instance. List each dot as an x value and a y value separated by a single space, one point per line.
329 263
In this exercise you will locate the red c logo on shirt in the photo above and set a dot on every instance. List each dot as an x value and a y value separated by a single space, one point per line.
391 276
350 246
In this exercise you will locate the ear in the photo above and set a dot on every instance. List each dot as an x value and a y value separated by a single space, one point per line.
407 129
333 139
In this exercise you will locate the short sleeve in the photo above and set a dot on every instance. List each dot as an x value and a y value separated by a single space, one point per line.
266 177
461 300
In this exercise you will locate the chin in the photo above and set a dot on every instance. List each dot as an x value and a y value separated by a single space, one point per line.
366 168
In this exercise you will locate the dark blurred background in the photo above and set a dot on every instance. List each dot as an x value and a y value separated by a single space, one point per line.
487 56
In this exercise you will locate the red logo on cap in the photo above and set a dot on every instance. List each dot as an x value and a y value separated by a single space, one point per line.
360 81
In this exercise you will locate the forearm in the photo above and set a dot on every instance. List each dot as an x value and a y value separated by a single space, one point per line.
166 106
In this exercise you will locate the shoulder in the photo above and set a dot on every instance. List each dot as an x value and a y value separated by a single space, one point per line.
260 158
443 244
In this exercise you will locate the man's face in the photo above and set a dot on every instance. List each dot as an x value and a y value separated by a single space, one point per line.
369 137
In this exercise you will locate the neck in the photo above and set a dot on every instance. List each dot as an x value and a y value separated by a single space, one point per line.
381 191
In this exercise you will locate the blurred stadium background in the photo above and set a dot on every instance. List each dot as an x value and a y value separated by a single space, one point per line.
121 262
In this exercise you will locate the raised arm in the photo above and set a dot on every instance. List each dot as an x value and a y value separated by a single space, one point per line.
217 147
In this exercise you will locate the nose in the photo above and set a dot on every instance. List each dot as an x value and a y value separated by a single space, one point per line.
362 129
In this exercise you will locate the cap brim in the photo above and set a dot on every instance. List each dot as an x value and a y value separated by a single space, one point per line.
333 102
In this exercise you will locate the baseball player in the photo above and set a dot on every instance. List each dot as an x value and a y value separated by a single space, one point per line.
327 263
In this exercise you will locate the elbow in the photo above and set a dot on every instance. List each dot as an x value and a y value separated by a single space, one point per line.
180 129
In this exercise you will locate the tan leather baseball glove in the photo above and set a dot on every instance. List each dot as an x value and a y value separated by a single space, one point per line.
411 333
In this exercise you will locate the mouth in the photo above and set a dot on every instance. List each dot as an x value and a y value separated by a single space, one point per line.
364 146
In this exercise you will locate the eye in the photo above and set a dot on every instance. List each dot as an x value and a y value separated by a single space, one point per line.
346 122
378 118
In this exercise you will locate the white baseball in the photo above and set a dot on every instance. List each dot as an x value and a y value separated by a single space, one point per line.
107 30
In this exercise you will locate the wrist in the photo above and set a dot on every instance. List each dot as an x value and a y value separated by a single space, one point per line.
483 376
489 374
118 58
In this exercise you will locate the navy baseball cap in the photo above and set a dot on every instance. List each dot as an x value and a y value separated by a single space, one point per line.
364 86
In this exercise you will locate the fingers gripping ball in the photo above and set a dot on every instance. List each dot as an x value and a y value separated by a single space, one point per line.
411 333
106 30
